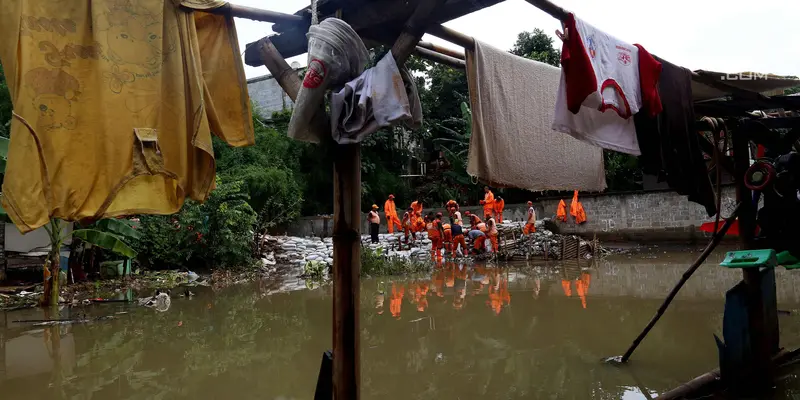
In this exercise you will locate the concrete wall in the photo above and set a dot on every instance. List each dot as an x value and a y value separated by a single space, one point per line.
636 216
267 95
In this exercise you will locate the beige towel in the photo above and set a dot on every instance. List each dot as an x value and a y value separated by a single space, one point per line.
512 144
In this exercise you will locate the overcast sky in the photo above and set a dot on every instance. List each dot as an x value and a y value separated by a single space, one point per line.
715 35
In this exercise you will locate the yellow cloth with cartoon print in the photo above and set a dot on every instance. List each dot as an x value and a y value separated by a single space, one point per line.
114 105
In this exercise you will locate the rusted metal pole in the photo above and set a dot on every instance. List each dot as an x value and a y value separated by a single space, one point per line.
686 275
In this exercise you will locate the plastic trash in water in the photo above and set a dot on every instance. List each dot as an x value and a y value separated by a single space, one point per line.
191 276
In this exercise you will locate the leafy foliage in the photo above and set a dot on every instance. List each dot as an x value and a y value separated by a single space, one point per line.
536 45
217 233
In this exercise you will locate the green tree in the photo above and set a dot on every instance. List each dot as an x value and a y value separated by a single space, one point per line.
538 46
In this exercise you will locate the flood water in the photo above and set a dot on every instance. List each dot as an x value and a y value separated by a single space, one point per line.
533 330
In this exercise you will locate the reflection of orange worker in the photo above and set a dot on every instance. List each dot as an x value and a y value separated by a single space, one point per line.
561 212
421 296
379 299
580 287
391 214
498 296
438 282
396 300
435 234
530 225
565 284
499 205
457 231
487 202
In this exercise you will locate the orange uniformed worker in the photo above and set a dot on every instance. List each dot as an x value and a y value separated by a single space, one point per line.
530 225
408 223
447 240
435 234
457 232
391 214
474 220
499 205
491 231
487 202
416 205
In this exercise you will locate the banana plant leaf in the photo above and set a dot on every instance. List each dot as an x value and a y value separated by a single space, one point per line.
105 240
119 227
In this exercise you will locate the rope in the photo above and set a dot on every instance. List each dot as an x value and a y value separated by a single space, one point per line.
314 16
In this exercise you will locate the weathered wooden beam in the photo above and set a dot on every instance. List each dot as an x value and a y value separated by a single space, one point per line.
431 55
279 68
413 30
444 50
384 16
256 14
550 8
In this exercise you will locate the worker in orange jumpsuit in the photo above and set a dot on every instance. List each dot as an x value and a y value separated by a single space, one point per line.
561 212
488 203
447 240
435 234
478 239
457 232
499 205
416 205
491 231
530 225
474 220
408 222
418 224
391 214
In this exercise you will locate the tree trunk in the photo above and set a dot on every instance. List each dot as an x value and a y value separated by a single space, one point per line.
52 277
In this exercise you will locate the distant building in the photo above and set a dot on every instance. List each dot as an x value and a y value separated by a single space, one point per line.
267 94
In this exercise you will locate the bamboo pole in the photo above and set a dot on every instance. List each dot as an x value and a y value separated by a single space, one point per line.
439 58
686 275
444 50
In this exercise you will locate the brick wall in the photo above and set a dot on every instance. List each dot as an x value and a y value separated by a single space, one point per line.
655 216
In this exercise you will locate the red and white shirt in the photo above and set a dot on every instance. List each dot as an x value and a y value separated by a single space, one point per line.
604 82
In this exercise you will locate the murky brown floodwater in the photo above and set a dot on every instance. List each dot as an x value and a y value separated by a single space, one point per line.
532 331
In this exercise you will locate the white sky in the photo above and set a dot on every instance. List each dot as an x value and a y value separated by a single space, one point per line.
716 35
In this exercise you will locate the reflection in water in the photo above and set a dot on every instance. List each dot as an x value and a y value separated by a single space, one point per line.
451 335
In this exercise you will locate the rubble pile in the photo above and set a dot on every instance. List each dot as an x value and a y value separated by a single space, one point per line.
289 250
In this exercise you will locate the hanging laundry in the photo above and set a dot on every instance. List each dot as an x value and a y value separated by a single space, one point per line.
512 143
605 82
375 100
114 105
576 209
670 144
561 212
336 55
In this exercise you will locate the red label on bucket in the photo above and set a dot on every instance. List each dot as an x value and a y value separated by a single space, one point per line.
315 75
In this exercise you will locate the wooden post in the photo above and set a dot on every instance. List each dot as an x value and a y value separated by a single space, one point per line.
760 371
346 270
